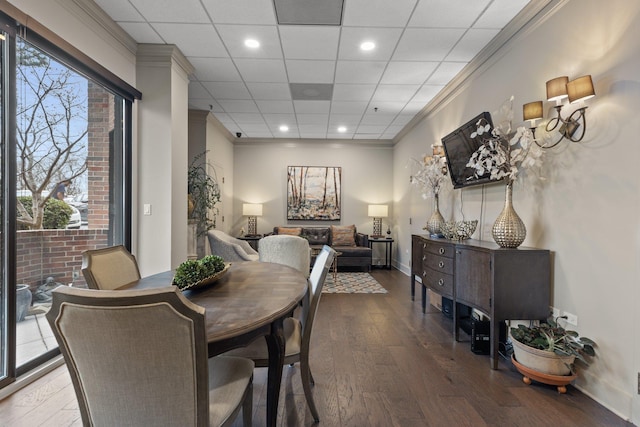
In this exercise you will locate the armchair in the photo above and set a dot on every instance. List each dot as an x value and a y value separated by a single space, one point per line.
230 248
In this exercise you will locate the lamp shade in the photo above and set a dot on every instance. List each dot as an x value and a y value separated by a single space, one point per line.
580 89
532 110
251 209
557 88
378 211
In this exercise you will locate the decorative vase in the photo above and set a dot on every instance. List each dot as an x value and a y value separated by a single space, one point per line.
508 231
436 220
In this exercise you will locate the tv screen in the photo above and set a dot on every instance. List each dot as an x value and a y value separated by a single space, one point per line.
458 148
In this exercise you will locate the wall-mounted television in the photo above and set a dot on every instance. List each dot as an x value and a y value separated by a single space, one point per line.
458 148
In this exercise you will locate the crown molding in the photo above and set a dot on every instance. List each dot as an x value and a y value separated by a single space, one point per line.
327 143
162 55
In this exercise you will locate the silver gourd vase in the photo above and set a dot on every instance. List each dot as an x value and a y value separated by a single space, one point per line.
436 220
508 231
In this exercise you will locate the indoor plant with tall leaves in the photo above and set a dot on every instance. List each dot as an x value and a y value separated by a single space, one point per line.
204 194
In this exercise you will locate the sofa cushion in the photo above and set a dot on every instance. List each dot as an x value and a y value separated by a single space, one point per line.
292 231
316 235
343 235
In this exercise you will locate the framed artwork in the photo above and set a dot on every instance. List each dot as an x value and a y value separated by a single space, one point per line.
313 192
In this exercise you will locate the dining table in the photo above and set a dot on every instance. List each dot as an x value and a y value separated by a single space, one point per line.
249 301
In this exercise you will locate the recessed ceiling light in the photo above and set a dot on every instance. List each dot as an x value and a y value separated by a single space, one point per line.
342 129
252 43
284 128
367 46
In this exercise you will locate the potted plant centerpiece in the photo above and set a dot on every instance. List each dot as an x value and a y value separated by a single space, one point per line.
547 352
193 273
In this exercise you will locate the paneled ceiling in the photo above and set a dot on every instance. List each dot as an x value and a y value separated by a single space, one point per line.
312 79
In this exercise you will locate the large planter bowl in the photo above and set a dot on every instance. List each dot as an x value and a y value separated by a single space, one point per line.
542 361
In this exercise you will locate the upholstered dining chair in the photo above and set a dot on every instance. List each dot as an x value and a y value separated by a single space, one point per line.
109 268
140 358
297 332
285 249
230 248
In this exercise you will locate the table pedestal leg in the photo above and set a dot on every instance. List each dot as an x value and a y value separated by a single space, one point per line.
275 344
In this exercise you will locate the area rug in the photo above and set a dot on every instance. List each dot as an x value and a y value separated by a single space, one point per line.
352 283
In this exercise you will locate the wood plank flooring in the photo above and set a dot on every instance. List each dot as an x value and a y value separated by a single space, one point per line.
377 361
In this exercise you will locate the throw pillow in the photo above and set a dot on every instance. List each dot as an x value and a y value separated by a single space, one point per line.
291 231
344 235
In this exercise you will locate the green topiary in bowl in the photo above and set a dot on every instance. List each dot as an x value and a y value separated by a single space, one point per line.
192 272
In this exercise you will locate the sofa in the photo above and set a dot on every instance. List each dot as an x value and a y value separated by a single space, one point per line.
353 246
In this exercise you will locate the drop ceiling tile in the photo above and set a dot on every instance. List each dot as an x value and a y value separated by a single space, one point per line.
252 128
241 11
404 72
234 36
359 71
262 70
224 118
414 107
447 13
349 120
312 119
371 129
309 42
387 107
315 107
420 44
238 106
402 119
278 119
346 107
215 69
246 118
375 119
310 71
193 39
204 105
427 92
339 135
190 11
445 72
353 92
397 93
198 91
385 39
227 90
141 32
269 91
366 136
499 13
377 13
392 131
275 107
470 44
120 10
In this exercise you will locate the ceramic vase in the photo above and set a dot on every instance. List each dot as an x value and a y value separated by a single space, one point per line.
436 220
508 231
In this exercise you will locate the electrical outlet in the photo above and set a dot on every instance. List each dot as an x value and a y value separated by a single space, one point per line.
571 318
555 312
75 275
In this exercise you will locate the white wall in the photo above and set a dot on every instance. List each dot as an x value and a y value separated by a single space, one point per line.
587 211
260 176
220 156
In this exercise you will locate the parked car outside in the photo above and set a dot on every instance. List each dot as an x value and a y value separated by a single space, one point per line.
74 220
81 202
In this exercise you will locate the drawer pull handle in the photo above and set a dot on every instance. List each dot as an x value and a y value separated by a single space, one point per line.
441 264
424 257
441 251
441 282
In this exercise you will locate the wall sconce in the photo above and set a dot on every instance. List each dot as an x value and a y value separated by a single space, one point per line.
378 212
577 90
252 210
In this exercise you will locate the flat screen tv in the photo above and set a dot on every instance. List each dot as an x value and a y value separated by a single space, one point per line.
458 148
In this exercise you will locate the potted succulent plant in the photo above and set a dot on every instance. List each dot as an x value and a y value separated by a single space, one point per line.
549 348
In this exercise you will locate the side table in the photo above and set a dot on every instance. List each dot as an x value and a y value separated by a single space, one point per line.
388 249
252 239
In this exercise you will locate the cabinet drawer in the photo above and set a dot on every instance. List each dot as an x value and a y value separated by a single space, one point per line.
444 249
438 263
438 281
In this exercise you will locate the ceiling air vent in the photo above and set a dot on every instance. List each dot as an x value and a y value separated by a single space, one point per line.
308 12
311 91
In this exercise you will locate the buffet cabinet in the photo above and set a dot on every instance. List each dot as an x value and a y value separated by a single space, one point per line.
504 284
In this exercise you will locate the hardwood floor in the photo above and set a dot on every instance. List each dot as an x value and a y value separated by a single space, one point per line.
377 361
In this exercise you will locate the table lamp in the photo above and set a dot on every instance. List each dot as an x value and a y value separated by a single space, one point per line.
378 212
253 211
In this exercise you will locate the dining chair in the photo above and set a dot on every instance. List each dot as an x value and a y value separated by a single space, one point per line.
109 268
284 249
140 358
230 248
297 332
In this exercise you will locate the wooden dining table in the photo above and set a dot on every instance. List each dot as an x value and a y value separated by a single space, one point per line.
251 300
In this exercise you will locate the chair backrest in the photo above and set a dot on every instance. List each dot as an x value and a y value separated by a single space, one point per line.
230 248
318 275
109 268
135 357
288 250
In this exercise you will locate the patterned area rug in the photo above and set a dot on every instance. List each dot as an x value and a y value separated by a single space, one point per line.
352 283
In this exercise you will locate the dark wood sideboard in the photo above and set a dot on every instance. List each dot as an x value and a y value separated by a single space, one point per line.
504 284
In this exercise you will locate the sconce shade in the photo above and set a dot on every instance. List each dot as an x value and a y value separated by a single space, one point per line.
580 89
378 211
532 110
557 88
251 209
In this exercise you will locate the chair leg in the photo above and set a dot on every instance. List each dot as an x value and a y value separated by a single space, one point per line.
312 381
307 381
247 407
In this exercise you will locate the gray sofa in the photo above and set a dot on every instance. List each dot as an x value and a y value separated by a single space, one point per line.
355 252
